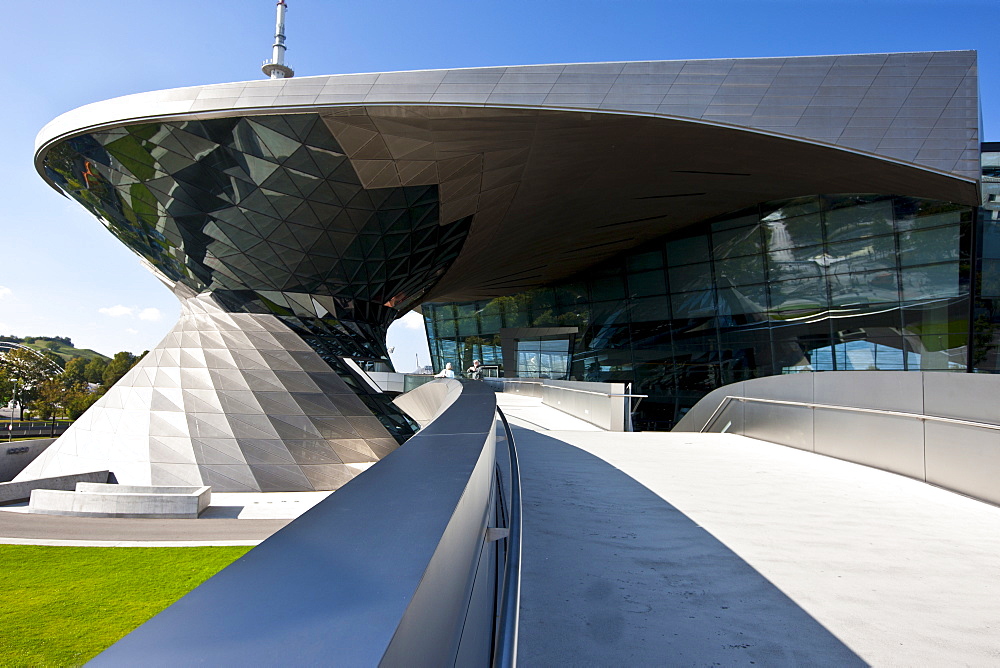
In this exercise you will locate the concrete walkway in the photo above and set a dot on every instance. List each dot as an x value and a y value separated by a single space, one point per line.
689 549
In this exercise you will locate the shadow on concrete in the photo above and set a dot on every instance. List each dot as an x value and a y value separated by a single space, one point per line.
614 575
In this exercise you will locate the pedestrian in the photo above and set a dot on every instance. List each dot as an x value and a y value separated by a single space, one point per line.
446 372
475 372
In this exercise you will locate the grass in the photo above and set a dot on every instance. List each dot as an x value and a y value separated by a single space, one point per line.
66 352
61 606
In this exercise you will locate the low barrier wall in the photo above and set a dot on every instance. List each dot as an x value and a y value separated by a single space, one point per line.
397 567
605 405
942 428
13 492
16 455
102 500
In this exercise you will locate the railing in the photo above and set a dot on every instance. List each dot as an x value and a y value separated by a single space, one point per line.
941 428
509 599
610 415
409 563
37 429
851 409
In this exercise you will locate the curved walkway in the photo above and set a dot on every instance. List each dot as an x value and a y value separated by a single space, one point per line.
714 549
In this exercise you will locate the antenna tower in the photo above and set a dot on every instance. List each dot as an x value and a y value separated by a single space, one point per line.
276 67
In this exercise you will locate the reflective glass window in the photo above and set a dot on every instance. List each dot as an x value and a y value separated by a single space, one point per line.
743 300
927 246
645 261
740 270
607 287
445 327
468 326
938 317
991 240
688 251
650 309
861 255
858 216
793 232
940 352
990 279
571 294
796 263
745 220
863 287
801 293
691 277
800 206
913 214
736 242
647 283
699 304
933 281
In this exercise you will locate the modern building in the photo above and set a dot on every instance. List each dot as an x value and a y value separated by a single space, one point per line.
677 225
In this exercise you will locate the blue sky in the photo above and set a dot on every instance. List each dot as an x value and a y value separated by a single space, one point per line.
62 274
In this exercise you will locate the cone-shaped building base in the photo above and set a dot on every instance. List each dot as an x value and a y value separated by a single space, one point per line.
235 401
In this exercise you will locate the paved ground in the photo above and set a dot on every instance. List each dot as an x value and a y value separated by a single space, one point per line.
689 549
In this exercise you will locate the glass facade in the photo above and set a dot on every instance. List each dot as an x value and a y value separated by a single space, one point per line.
268 214
986 314
831 282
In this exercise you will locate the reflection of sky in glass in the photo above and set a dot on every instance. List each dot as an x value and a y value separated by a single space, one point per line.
858 356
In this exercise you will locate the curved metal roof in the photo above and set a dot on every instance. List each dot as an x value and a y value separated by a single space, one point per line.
566 165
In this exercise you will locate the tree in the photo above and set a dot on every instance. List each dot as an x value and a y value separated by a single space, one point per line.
25 370
75 371
49 395
118 367
94 371
77 398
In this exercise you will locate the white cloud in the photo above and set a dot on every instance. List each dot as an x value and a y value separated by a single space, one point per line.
116 311
5 291
150 314
131 331
413 320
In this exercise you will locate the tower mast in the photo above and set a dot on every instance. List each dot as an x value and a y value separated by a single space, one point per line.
276 67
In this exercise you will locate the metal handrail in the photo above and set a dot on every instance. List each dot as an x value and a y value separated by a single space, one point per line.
853 409
505 648
573 389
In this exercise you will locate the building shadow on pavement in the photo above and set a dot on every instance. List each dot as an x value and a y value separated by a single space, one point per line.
614 575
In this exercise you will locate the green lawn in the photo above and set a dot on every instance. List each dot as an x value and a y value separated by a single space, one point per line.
60 606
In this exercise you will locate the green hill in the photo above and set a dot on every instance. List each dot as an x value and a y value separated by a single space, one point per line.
60 345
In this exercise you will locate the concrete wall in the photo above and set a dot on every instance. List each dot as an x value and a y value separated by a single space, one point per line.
956 455
122 501
12 492
15 455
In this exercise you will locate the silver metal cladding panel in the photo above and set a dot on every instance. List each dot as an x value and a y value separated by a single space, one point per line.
777 423
700 413
886 390
881 441
962 395
790 387
963 459
826 99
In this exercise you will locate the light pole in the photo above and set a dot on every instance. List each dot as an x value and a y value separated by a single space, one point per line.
13 402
